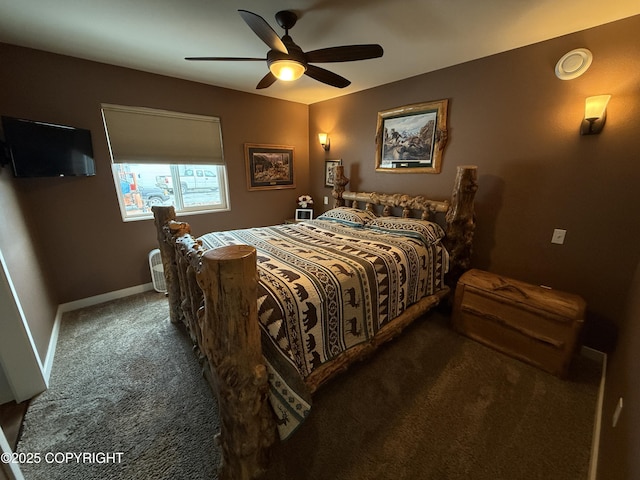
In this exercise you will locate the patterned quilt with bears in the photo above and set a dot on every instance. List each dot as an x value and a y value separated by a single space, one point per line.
325 287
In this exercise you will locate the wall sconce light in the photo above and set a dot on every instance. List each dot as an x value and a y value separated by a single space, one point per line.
324 141
595 114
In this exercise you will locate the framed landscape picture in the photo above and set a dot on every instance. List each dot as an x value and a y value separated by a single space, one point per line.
269 166
411 139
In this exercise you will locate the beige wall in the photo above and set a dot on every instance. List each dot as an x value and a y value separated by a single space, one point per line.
513 118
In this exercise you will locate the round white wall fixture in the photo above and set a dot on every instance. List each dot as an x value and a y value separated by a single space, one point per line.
573 64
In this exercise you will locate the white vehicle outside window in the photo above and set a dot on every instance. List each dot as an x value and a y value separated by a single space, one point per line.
165 158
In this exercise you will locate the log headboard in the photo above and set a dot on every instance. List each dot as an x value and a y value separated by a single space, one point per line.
459 214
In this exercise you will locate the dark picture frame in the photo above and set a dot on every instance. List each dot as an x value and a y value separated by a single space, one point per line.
329 172
269 167
411 139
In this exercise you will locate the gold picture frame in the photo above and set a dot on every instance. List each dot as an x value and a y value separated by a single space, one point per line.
411 139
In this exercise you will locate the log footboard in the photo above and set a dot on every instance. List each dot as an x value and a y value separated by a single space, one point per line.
214 294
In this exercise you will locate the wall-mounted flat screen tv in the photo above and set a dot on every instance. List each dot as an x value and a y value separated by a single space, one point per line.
39 149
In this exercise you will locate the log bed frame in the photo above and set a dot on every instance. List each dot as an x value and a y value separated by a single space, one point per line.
213 293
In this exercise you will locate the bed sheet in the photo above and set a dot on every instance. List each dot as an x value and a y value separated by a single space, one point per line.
325 287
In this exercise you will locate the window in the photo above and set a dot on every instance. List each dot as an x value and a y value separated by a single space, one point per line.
165 158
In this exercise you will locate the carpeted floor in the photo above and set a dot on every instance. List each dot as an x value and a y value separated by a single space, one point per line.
430 405
124 380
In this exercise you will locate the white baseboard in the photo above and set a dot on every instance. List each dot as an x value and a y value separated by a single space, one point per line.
82 303
597 424
51 349
104 297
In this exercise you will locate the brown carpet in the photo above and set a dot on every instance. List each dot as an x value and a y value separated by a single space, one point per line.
124 383
429 405
435 405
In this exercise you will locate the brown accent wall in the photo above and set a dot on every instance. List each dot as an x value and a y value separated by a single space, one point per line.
87 248
619 446
24 261
513 118
64 238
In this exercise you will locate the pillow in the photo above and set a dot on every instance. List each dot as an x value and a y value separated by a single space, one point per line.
348 216
430 232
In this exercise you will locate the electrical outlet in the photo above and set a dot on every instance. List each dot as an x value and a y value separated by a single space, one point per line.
326 200
616 414
558 236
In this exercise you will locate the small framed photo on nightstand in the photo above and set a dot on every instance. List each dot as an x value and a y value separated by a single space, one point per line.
304 214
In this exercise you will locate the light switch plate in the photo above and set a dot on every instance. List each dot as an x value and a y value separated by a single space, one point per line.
558 236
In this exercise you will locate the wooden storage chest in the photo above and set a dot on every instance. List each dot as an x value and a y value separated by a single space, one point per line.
535 324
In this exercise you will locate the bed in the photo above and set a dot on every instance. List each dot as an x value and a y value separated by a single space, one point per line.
276 312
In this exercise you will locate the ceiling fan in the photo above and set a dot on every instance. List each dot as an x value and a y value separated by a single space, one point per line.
287 61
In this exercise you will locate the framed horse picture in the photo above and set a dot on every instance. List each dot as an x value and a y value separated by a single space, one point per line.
411 139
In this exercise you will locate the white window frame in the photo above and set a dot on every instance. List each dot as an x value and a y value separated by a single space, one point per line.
149 137
178 202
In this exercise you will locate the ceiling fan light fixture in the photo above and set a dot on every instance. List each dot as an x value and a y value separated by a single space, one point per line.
288 62
287 70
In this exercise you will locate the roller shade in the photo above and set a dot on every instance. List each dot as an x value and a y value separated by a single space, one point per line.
146 135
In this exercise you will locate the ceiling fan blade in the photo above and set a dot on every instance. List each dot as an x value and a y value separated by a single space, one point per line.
266 81
231 59
325 76
263 30
346 53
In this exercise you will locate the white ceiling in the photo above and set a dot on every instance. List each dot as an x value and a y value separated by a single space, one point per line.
418 36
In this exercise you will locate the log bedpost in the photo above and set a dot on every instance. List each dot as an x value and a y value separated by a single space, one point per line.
232 343
461 223
339 182
163 218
